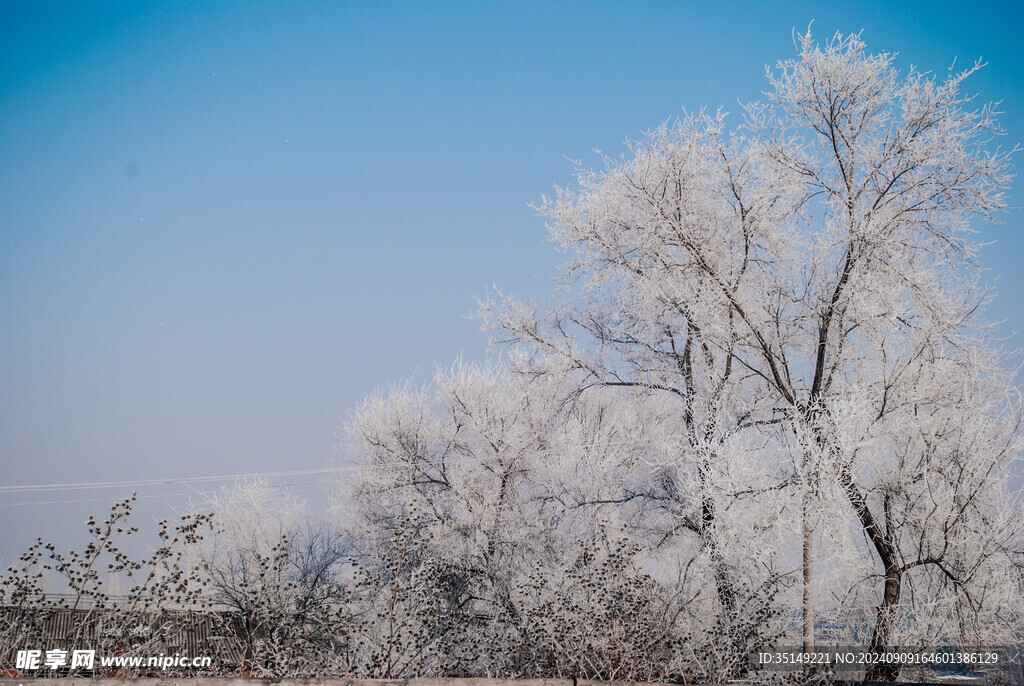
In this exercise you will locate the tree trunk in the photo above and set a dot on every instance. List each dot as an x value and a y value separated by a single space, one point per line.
883 626
724 588
808 583
726 592
885 547
808 544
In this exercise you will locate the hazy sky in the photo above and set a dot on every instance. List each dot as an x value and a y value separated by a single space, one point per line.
222 224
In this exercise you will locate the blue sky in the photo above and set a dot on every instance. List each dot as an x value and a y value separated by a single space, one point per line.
222 224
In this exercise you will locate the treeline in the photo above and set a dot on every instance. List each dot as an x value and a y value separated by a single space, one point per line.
765 381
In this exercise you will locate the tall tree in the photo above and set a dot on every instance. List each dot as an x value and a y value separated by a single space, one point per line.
761 276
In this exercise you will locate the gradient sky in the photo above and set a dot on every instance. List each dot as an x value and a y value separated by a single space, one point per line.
222 224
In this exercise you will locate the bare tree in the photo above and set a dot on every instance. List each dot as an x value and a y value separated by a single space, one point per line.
762 276
163 600
496 489
926 468
275 575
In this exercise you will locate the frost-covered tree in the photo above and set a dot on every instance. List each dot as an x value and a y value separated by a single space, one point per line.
926 467
509 507
276 574
760 277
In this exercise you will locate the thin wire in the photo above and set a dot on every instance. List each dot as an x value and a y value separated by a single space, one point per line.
137 497
91 500
183 480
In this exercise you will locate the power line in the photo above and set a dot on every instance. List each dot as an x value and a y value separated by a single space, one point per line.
32 488
137 497
35 488
92 500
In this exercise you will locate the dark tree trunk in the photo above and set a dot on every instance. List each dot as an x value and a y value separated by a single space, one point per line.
885 547
729 632
883 626
726 591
